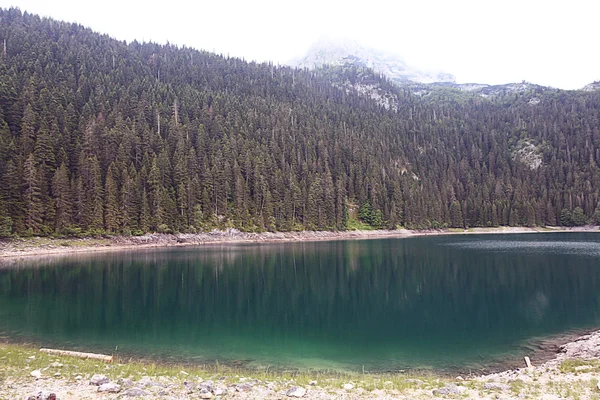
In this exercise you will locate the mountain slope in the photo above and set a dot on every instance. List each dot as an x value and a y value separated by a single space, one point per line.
339 51
100 136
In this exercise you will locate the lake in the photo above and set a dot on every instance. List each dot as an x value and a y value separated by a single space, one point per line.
384 304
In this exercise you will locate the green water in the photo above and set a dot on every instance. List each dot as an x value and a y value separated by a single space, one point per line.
435 302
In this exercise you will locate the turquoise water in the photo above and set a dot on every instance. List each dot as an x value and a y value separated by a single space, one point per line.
385 304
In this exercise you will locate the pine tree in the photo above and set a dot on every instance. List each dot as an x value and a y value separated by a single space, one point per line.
32 195
456 215
61 191
112 214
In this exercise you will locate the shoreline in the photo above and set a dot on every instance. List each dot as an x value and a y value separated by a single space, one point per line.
41 246
572 373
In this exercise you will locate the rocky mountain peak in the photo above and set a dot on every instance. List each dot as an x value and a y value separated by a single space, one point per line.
338 51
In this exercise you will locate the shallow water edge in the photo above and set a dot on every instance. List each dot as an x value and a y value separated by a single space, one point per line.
36 246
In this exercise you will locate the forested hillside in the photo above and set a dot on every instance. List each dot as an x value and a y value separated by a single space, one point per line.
97 135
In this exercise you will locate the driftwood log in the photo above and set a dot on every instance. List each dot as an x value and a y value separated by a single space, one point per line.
79 354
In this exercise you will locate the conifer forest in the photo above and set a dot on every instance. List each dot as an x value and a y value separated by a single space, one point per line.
98 136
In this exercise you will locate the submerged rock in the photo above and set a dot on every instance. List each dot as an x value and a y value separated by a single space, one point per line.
98 380
296 391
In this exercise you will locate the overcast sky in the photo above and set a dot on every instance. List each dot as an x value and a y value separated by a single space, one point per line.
547 42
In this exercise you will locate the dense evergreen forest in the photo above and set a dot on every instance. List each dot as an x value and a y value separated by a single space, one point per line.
100 136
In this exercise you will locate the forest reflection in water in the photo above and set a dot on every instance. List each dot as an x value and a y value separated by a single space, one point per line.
433 302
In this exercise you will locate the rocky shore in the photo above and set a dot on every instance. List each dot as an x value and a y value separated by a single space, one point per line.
22 247
30 375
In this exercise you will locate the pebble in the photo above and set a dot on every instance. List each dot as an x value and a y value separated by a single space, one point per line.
313 383
348 386
296 391
37 374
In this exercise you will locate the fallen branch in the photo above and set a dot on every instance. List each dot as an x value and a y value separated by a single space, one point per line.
79 354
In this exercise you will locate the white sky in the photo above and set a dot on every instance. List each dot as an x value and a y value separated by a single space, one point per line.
547 42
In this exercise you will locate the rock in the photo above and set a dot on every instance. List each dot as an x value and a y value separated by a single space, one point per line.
98 380
189 386
296 391
347 386
57 374
244 387
109 388
56 365
205 393
183 373
125 382
37 374
78 377
220 391
313 383
135 392
43 395
206 385
598 385
417 382
460 378
450 389
145 381
495 386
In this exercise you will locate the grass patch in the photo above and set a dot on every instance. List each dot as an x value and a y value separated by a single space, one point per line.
578 365
18 361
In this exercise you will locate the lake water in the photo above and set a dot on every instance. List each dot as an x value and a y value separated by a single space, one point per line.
386 304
